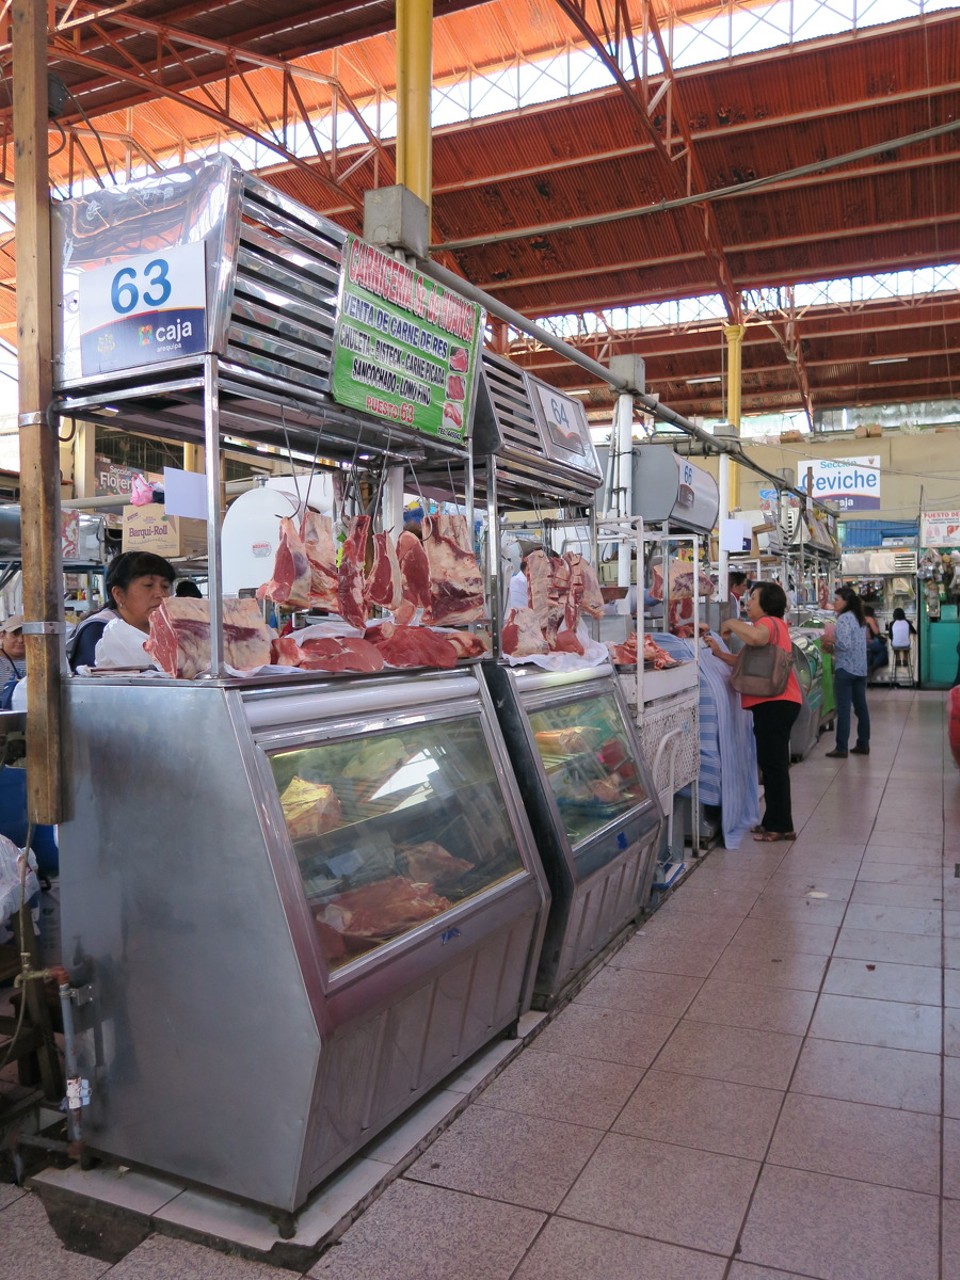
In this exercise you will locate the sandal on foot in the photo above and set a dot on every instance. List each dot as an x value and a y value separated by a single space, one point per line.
758 830
769 837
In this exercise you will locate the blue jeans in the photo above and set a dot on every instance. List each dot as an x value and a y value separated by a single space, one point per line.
851 689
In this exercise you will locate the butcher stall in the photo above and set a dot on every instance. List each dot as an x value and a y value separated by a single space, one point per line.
575 751
300 885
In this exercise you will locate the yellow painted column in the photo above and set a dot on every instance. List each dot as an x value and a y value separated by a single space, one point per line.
734 336
414 88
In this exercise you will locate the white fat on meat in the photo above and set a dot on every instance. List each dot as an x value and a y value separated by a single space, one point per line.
179 637
456 583
584 595
350 590
414 576
522 636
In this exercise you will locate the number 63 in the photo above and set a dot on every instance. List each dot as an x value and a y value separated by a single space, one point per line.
124 294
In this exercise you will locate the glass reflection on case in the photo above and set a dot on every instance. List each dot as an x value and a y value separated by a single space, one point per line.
589 763
391 830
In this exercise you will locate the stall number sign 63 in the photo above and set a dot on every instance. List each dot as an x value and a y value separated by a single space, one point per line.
151 285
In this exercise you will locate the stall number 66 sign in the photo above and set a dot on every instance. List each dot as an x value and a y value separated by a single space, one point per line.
143 310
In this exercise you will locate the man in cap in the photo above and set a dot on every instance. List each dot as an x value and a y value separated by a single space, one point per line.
12 648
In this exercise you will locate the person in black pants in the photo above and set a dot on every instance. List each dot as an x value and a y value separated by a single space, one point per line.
773 718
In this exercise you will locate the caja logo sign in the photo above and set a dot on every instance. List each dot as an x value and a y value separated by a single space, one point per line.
850 484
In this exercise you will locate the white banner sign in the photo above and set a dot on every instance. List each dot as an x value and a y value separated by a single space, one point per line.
850 484
940 529
143 310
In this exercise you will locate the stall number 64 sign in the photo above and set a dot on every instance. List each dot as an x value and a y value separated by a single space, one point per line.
143 310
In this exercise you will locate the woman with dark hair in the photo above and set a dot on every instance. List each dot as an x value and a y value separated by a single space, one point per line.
137 583
850 672
876 643
773 718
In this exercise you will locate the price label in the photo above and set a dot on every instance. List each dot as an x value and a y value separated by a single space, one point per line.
142 310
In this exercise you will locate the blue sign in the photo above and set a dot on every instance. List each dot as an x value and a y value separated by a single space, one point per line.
143 310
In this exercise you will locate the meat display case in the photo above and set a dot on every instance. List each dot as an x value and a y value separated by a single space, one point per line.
595 815
318 899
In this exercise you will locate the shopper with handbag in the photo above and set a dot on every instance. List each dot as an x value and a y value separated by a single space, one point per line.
763 675
850 672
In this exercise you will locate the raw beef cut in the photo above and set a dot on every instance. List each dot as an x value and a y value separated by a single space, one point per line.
384 585
412 646
521 636
373 913
624 655
584 595
339 653
430 863
549 578
316 532
292 572
467 644
179 637
310 808
285 652
414 576
567 642
456 583
353 606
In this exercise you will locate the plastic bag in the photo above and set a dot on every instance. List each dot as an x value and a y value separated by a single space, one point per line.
141 492
10 872
122 646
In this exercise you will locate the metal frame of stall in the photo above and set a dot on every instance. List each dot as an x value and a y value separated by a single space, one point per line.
255 389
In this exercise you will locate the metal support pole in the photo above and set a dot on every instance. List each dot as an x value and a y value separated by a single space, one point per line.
414 89
624 420
39 444
211 436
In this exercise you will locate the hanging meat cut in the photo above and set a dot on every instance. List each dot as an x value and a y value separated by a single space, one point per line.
350 588
412 646
339 653
179 637
549 579
414 576
456 583
292 572
584 595
521 636
316 532
384 584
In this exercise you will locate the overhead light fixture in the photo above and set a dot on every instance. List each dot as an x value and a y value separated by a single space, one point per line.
890 360
692 382
579 391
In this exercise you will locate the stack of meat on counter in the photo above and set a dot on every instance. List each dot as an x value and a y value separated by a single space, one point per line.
654 658
562 588
431 583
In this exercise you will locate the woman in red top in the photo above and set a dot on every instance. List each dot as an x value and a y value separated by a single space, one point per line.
773 718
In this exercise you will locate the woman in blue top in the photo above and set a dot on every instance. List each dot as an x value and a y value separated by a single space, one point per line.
850 672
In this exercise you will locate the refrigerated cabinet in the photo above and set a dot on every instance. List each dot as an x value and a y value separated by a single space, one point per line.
304 907
593 808
808 665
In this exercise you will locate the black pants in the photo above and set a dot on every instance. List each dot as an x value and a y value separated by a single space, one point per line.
772 722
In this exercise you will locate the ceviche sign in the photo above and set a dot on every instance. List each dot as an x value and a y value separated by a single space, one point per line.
850 484
405 348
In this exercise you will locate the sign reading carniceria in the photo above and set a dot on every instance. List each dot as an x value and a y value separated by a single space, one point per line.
405 347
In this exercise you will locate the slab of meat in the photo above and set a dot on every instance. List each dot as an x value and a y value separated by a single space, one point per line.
402 646
310 808
384 584
179 637
373 913
549 578
654 656
567 642
285 652
624 655
339 653
584 595
459 359
430 863
316 532
467 644
292 573
352 604
414 576
521 636
456 583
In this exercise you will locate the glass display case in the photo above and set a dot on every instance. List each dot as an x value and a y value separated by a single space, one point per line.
808 667
587 758
319 900
390 831
593 809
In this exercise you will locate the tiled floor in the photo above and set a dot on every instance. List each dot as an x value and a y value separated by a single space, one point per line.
763 1084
